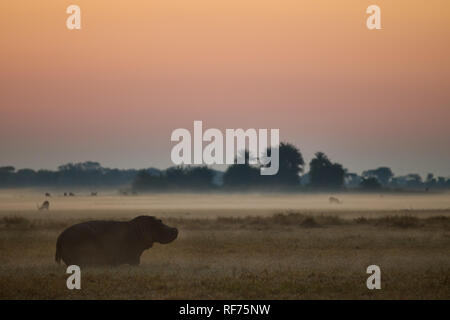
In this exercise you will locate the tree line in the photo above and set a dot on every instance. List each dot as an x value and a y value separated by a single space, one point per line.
323 174
85 174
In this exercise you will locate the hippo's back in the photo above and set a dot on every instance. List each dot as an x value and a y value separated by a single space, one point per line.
91 242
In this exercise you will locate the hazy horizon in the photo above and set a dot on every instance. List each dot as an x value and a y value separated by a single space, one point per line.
221 168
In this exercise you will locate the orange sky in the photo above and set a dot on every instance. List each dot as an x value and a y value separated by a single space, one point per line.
114 91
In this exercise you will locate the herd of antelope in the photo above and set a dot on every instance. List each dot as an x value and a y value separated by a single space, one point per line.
46 204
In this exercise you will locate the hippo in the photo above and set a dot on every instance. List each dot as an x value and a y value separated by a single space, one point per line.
111 243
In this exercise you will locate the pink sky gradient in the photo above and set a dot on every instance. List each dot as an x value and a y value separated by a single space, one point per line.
114 91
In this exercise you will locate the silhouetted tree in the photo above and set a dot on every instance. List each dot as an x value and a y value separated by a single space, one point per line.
324 173
370 184
25 176
291 164
352 180
9 169
146 181
241 176
430 181
175 178
199 178
7 176
383 174
443 183
410 181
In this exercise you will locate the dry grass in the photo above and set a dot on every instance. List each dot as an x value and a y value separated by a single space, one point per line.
287 255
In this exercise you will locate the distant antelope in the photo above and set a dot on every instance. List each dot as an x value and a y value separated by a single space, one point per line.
334 200
71 194
65 194
48 194
93 194
45 205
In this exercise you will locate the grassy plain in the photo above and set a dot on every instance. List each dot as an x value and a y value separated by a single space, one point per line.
254 246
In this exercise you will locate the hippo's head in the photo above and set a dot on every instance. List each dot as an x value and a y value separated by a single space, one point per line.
151 229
